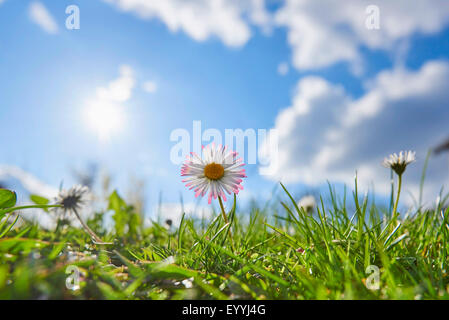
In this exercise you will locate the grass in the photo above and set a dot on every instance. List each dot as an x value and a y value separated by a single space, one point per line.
278 251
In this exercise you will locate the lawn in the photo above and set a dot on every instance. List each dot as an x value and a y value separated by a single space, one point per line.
347 247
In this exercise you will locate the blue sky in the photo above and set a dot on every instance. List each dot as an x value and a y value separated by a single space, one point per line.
225 80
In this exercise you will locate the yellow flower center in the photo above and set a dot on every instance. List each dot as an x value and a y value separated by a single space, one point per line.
214 171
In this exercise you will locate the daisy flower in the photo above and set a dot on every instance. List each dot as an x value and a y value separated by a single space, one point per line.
217 172
72 199
399 162
308 203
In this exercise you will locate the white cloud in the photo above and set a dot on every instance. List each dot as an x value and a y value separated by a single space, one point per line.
119 90
149 86
42 17
32 184
229 20
283 68
259 16
326 134
320 33
324 32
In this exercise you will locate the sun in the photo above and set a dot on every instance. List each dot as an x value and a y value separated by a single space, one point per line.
105 118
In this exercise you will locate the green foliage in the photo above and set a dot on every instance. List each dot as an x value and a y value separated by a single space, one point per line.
277 252
125 218
39 201
8 199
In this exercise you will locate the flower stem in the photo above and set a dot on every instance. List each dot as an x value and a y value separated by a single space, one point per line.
226 221
395 208
8 210
223 210
86 227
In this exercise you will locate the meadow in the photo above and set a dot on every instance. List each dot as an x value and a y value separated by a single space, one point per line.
110 107
273 250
